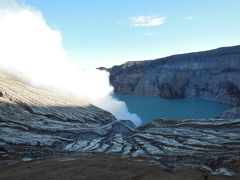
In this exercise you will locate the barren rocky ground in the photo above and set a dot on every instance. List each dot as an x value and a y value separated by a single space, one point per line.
101 167
37 124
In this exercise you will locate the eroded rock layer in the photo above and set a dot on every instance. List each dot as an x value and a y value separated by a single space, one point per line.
35 123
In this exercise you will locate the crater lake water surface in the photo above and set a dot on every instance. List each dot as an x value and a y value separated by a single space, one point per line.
152 107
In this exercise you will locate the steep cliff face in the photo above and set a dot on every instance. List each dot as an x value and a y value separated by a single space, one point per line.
211 74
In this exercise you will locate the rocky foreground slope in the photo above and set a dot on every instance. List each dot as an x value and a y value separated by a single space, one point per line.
101 167
35 122
211 75
38 124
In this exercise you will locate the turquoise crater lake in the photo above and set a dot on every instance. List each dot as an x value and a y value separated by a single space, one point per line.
152 107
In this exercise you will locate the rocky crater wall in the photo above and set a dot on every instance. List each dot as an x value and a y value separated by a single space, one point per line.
213 75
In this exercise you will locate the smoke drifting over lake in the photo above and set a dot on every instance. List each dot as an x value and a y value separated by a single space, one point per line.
32 51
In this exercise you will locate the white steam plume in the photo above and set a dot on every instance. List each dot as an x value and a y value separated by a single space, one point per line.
31 49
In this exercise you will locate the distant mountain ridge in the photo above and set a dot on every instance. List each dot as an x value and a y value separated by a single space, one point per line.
213 75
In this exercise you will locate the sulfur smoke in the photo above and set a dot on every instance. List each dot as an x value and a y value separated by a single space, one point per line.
32 51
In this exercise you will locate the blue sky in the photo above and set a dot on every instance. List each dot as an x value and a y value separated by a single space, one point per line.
115 31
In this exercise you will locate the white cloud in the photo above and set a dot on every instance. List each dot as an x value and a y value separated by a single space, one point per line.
189 18
31 49
145 21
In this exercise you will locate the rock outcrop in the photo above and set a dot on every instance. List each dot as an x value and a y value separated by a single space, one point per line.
37 124
211 75
231 114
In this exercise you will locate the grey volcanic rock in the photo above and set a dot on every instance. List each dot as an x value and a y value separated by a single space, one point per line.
211 75
213 145
37 124
231 114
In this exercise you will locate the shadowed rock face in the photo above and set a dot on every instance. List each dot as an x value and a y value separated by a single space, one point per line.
35 123
211 74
